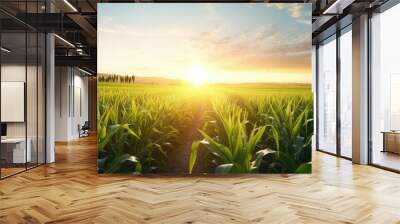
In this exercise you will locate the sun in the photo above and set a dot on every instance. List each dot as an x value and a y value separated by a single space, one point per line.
197 76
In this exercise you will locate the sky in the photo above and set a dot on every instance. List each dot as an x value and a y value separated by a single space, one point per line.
222 43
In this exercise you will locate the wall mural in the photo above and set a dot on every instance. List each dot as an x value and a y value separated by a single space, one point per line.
204 88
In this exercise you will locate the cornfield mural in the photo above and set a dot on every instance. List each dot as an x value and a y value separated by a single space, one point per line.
201 103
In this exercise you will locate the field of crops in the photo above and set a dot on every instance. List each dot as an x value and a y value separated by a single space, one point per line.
181 129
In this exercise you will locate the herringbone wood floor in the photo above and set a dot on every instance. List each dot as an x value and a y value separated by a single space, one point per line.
70 191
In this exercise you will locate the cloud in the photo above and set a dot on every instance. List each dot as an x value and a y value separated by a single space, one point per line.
296 10
258 49
305 21
108 19
147 32
277 5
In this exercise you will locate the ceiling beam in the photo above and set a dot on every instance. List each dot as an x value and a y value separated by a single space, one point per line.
78 61
337 7
86 26
320 22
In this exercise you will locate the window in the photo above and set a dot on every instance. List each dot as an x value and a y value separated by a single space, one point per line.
327 95
385 89
346 92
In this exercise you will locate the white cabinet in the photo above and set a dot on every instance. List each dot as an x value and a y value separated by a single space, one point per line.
18 149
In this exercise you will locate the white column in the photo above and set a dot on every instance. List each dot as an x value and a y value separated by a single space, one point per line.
360 90
50 92
50 101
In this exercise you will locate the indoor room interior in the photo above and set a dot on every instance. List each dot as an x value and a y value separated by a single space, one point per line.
22 101
385 86
23 87
48 150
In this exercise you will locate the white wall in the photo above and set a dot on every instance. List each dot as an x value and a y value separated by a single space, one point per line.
70 83
13 72
16 73
33 127
79 117
62 82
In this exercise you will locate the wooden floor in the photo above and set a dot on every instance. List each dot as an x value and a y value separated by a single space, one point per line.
70 191
387 159
5 172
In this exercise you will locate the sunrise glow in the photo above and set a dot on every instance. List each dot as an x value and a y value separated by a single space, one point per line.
196 76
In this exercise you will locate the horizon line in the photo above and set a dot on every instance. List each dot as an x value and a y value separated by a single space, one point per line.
183 80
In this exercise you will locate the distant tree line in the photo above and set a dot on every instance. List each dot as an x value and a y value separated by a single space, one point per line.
116 78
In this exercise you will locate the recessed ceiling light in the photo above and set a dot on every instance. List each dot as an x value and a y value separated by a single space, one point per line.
64 40
86 72
5 50
70 5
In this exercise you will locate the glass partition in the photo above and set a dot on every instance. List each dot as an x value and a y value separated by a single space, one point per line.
346 92
31 98
14 153
22 78
41 97
327 95
32 88
385 89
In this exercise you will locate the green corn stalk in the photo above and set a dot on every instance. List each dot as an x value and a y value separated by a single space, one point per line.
232 146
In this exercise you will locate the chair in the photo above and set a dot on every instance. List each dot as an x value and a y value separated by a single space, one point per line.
84 130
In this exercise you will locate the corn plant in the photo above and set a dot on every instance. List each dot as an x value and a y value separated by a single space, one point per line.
232 146
138 127
289 132
115 159
245 130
